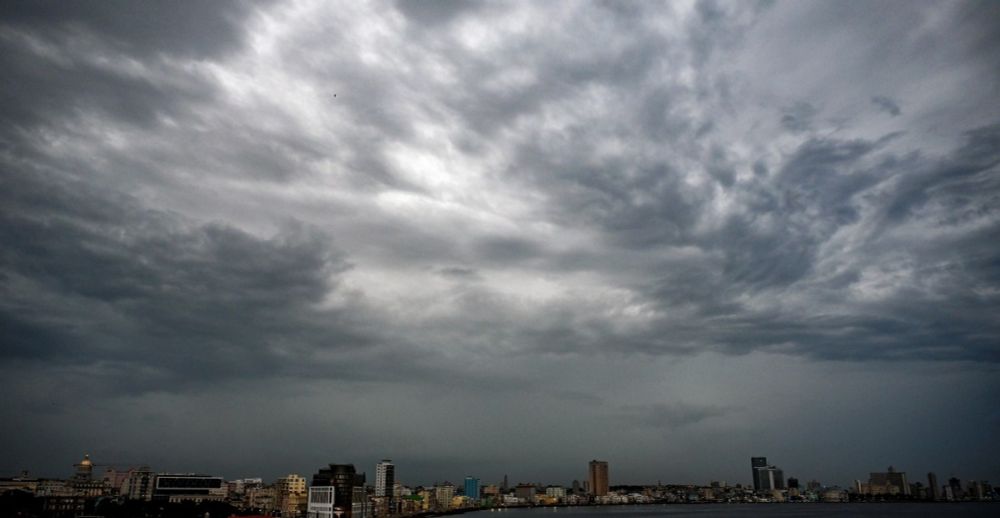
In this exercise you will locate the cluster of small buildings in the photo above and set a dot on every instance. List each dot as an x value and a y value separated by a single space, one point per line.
340 491
70 497
892 483
770 485
336 490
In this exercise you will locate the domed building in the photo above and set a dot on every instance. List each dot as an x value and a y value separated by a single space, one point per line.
83 483
84 469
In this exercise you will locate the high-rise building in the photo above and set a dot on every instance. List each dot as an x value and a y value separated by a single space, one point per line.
956 488
385 477
935 493
598 476
472 488
140 483
755 464
771 478
385 483
443 494
766 477
890 482
332 491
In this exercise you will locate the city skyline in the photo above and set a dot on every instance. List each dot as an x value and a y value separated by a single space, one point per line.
489 238
595 470
341 491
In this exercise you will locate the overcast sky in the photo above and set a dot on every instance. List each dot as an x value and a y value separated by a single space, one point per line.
501 238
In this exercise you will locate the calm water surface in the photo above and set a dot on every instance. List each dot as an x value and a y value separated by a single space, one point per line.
743 510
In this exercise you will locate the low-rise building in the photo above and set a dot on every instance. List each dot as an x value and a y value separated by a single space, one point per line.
189 487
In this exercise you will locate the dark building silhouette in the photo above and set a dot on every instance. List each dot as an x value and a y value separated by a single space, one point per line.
956 488
935 493
888 482
757 462
766 477
343 479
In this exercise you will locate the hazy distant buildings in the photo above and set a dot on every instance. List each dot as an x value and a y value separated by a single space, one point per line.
935 489
557 492
525 493
597 475
955 489
890 482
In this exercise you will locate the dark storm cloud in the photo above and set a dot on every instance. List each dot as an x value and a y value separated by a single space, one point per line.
954 182
459 272
433 13
815 195
97 279
669 416
887 105
798 117
187 28
45 81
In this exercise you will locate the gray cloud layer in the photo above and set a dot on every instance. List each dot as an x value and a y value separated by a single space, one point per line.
408 212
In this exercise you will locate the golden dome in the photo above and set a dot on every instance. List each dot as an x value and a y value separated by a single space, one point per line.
86 461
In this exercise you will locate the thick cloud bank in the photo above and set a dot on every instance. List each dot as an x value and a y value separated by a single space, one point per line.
375 229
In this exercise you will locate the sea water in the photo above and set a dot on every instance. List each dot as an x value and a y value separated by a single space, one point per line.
788 510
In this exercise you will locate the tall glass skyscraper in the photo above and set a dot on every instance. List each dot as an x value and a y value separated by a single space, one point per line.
472 488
